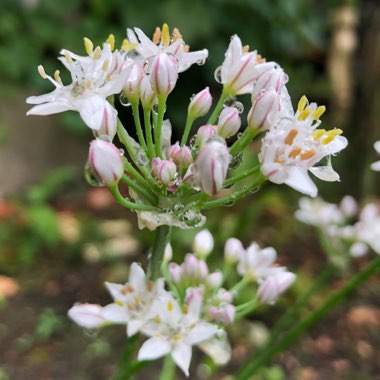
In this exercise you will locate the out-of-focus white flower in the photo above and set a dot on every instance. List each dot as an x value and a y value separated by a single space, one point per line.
168 253
200 104
174 330
229 122
293 146
241 68
211 165
87 315
106 162
164 43
203 244
95 77
233 249
376 165
224 314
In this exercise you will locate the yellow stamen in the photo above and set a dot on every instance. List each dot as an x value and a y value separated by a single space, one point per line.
156 36
318 133
130 307
105 65
124 291
137 301
165 36
149 286
308 154
41 71
130 288
126 45
68 57
119 303
186 48
177 338
302 103
318 112
331 135
89 46
170 306
260 59
185 309
304 114
157 319
97 52
291 136
245 49
111 41
294 153
176 35
57 77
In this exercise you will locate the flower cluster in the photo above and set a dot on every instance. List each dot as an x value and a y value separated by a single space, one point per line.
190 307
169 182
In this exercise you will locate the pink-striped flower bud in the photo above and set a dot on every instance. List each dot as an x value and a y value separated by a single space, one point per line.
194 297
175 272
203 244
214 280
87 315
229 122
224 296
163 74
180 155
164 170
132 84
105 162
200 104
224 314
204 133
194 268
233 249
147 95
108 127
211 165
259 115
274 285
273 79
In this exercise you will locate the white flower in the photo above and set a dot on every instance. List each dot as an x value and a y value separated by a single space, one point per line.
203 244
87 315
94 77
293 146
163 43
376 165
174 330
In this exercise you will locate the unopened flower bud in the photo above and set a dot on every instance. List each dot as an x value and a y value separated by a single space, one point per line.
163 74
204 133
200 104
224 314
233 249
147 95
87 315
194 268
224 296
175 272
108 127
105 162
349 206
164 170
214 280
168 253
180 155
211 165
132 84
229 122
194 296
265 103
203 244
274 285
273 79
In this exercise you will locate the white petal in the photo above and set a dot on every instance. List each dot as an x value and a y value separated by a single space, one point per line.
336 145
181 355
137 277
115 313
153 348
325 173
202 331
376 166
87 315
115 290
218 348
376 145
299 180
134 326
49 108
91 110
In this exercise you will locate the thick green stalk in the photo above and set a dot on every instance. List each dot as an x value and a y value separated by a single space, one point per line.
252 365
186 132
160 241
246 173
215 113
136 117
158 127
148 133
168 369
240 144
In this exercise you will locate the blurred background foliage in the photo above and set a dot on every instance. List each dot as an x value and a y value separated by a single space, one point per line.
60 239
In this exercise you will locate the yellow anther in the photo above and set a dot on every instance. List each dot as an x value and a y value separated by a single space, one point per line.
68 57
157 319
130 307
137 301
302 103
318 112
260 58
176 35
170 306
124 291
105 65
177 337
149 285
308 154
165 36
156 36
245 49
294 152
97 52
185 309
303 114
119 303
318 133
291 136
89 46
111 41
186 48
57 77
331 135
130 288
126 45
41 71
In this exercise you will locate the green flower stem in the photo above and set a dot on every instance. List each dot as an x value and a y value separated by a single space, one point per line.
186 132
158 127
245 309
138 177
252 365
246 173
229 199
240 144
160 241
223 97
148 133
168 369
126 203
238 287
144 193
136 118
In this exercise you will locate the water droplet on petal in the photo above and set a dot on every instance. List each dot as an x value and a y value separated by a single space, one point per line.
239 106
218 74
90 176
124 101
201 62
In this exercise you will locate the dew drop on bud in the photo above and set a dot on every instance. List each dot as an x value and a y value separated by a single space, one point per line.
201 62
124 100
239 135
218 74
236 161
239 106
122 151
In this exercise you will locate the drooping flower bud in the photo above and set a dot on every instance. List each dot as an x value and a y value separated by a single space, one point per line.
274 285
203 244
259 115
204 133
180 155
147 95
211 165
87 315
164 170
108 127
229 122
132 84
163 74
200 104
233 249
105 162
